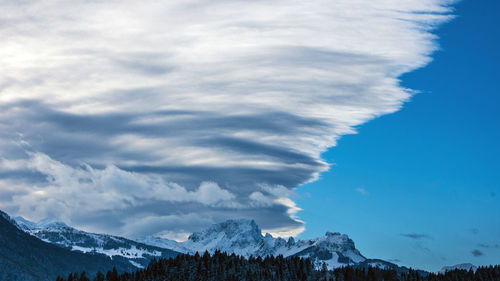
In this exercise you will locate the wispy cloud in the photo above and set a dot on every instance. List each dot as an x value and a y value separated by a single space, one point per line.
476 253
362 191
488 246
474 230
224 96
416 236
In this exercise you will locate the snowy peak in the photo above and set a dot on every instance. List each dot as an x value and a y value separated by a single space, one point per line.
243 231
45 224
462 266
335 241
333 249
242 237
51 224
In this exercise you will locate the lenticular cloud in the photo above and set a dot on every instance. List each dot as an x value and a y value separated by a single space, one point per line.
200 109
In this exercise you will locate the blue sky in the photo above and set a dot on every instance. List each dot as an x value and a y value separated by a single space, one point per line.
431 168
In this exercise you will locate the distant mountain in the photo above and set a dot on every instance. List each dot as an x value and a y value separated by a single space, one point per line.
117 248
462 266
25 257
243 237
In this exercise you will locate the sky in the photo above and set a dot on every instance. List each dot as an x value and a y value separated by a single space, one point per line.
421 186
161 119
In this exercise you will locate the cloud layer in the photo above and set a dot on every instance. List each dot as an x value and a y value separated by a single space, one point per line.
204 110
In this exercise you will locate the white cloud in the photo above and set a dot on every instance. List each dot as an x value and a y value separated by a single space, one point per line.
73 190
176 227
234 95
362 191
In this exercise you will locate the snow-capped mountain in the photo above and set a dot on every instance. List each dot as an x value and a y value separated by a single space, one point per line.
241 237
60 234
244 237
462 266
25 257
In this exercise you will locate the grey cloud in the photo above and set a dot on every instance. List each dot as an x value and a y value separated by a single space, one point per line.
416 236
474 230
252 148
488 246
237 177
476 253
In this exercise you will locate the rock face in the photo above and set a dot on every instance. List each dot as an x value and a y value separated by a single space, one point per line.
243 237
62 235
25 257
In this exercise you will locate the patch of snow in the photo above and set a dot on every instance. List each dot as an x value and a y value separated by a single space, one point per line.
133 252
136 264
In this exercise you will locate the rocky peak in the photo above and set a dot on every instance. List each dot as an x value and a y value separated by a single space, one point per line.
337 240
245 229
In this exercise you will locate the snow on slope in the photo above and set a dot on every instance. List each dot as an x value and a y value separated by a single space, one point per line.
65 236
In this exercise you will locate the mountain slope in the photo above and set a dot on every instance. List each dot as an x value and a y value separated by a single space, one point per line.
25 257
62 235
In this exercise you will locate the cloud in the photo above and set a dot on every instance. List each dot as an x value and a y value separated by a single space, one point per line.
176 227
488 246
477 253
474 230
110 191
191 107
415 236
362 191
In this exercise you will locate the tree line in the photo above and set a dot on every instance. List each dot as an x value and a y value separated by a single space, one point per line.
230 267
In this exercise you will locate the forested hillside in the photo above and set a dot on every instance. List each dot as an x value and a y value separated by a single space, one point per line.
224 267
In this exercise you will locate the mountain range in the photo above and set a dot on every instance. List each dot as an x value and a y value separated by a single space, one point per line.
241 237
43 250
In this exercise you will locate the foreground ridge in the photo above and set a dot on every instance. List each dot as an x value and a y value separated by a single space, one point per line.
26 258
60 234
